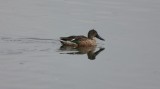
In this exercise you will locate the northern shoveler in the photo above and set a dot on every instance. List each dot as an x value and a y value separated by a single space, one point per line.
80 41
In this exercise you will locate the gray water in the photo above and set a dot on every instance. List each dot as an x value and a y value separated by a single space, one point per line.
31 56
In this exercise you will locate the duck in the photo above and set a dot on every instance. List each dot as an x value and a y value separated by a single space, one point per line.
80 40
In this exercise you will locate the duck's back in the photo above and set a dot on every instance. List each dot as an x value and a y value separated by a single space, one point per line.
78 41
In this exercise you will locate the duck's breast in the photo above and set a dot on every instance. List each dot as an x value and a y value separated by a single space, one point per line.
88 42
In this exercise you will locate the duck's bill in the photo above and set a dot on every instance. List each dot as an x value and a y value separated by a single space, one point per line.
100 37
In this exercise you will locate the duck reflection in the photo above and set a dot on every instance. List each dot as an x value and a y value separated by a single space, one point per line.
90 51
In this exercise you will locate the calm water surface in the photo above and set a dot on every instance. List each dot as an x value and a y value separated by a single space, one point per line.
31 57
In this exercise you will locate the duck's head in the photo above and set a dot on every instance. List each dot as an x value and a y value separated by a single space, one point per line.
93 33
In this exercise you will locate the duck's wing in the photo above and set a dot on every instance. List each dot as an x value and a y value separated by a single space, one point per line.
73 38
69 38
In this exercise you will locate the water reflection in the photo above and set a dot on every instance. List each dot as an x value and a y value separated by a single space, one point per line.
91 52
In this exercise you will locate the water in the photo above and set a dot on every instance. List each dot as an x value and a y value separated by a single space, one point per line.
31 56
